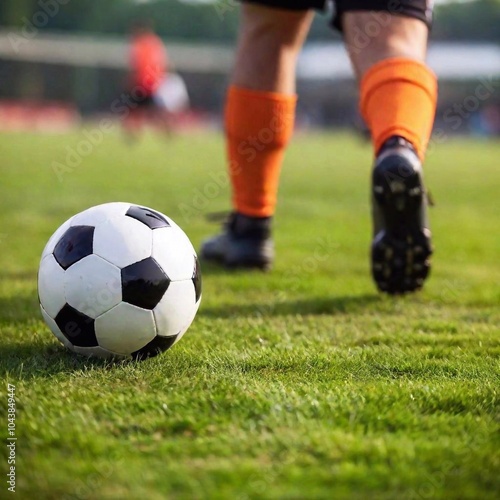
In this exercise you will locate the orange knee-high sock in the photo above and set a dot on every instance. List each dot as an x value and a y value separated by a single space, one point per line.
258 128
398 97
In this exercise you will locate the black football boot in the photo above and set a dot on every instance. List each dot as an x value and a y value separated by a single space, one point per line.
401 246
245 242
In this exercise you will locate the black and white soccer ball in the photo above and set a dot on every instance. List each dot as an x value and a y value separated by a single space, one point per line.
119 280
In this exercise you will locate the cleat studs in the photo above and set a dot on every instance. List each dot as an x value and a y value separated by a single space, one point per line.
397 187
400 204
399 263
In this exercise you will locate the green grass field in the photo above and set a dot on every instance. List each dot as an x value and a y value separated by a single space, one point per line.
300 384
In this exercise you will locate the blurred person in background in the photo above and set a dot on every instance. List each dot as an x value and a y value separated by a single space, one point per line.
155 94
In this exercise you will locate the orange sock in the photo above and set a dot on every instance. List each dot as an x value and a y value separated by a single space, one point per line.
398 97
258 128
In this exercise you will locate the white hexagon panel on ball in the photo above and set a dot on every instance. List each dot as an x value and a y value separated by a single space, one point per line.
51 285
100 214
176 310
122 241
93 286
174 252
125 329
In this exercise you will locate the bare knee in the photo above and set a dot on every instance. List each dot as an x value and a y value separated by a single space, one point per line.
268 46
373 36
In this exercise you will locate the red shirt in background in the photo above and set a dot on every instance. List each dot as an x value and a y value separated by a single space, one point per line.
148 61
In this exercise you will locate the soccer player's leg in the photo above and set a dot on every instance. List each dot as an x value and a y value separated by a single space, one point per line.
137 117
259 119
398 95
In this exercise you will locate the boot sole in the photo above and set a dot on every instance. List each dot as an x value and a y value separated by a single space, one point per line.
401 252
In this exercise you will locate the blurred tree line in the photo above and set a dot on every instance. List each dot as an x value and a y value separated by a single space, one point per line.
468 21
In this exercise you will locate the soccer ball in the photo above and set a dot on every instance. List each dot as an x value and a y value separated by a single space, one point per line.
119 280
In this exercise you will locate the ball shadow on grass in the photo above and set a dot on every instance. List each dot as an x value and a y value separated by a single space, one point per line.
36 353
26 361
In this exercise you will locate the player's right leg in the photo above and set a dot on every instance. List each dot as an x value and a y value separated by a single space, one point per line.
259 119
398 101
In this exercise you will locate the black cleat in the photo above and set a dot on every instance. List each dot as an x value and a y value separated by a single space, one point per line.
401 246
245 242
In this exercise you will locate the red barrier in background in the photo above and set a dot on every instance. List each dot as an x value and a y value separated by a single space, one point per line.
38 116
60 117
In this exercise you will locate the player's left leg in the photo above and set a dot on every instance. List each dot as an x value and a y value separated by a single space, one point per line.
398 95
259 121
137 117
163 120
132 125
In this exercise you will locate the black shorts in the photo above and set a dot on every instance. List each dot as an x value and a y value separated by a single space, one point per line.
418 9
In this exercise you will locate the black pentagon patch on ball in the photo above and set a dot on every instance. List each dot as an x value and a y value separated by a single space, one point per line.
75 244
152 219
197 279
144 283
155 347
77 327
